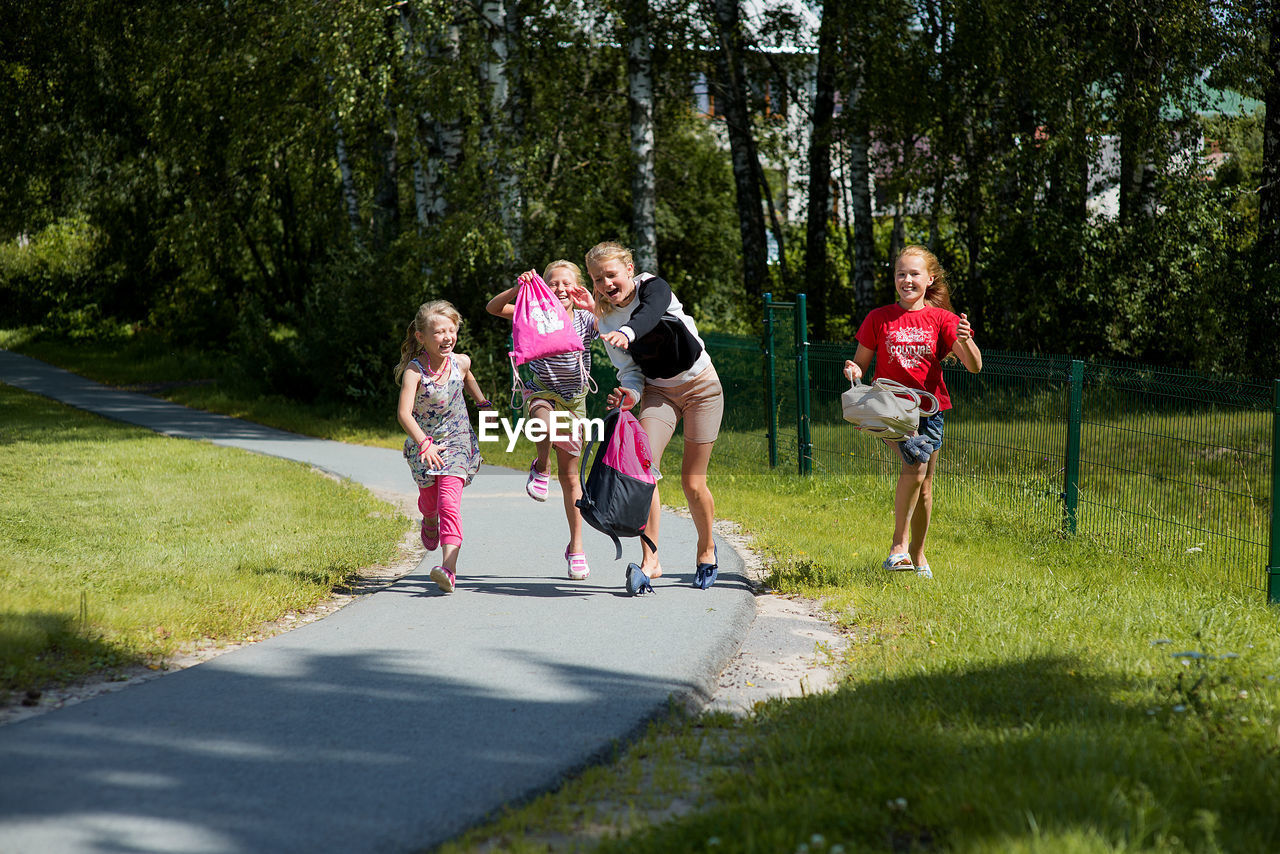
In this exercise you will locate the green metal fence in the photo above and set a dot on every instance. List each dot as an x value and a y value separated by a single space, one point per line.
1147 460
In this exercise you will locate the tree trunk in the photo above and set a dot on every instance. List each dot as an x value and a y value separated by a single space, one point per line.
816 268
1269 195
644 195
350 200
496 132
386 194
514 125
776 227
731 101
864 261
897 237
437 145
1139 115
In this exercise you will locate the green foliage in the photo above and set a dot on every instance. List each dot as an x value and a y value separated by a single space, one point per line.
54 278
1174 288
1239 141
698 244
285 182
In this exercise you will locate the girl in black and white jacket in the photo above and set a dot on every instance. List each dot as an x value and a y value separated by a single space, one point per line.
663 367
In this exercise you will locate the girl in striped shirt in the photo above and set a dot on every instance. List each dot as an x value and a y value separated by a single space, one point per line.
559 383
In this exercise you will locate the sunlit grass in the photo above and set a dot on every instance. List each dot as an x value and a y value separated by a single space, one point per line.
119 545
1027 699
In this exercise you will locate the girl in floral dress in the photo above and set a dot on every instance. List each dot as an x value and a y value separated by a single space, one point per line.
441 450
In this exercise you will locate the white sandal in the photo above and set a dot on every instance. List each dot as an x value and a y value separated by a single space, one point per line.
899 562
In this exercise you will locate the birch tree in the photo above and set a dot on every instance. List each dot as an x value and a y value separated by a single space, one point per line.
731 101
500 19
644 200
817 272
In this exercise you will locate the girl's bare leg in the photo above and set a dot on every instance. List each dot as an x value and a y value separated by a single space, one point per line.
570 491
659 435
922 514
906 495
541 411
702 506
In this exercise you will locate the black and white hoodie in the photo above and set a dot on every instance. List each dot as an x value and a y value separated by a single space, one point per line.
665 348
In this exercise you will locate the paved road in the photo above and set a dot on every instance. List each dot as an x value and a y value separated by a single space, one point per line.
391 725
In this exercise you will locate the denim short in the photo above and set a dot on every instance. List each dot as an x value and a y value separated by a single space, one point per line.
931 429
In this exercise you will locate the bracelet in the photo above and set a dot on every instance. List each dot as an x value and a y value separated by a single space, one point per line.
484 404
426 443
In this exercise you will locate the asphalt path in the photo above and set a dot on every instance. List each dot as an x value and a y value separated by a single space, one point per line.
398 721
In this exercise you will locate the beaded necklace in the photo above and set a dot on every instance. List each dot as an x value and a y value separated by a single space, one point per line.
435 374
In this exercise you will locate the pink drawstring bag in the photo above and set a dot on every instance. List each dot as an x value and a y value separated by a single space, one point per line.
541 327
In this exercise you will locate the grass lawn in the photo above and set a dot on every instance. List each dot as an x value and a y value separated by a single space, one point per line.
118 545
1038 695
198 379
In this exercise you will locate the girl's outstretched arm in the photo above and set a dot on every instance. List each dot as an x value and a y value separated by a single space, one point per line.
855 368
965 348
503 304
473 389
469 383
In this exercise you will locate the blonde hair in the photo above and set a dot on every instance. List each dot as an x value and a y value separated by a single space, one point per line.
569 265
938 294
411 349
608 250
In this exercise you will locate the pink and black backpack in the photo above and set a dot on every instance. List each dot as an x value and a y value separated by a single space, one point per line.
617 493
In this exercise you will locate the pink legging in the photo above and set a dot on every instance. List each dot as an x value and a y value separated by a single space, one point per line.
443 499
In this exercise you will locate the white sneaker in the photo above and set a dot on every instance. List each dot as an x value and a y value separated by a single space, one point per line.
578 568
536 486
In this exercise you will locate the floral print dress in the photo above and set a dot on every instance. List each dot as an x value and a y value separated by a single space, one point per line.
441 412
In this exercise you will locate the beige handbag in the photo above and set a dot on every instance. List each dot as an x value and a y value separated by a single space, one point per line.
887 409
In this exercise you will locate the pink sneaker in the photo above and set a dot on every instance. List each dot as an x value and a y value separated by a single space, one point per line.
578 568
537 484
444 578
431 541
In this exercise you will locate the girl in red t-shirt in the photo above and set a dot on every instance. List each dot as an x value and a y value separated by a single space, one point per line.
909 340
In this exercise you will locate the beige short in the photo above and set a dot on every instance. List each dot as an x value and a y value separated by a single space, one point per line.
577 407
700 402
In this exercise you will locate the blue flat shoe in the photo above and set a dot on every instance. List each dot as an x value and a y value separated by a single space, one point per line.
637 581
706 573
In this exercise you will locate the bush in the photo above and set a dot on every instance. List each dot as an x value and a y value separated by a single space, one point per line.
50 279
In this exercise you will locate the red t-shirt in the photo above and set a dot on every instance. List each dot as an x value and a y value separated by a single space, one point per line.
910 346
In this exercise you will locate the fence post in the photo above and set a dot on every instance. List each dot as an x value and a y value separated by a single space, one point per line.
1273 569
1071 471
770 383
805 447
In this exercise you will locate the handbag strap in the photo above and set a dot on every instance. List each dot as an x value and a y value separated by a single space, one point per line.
918 397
